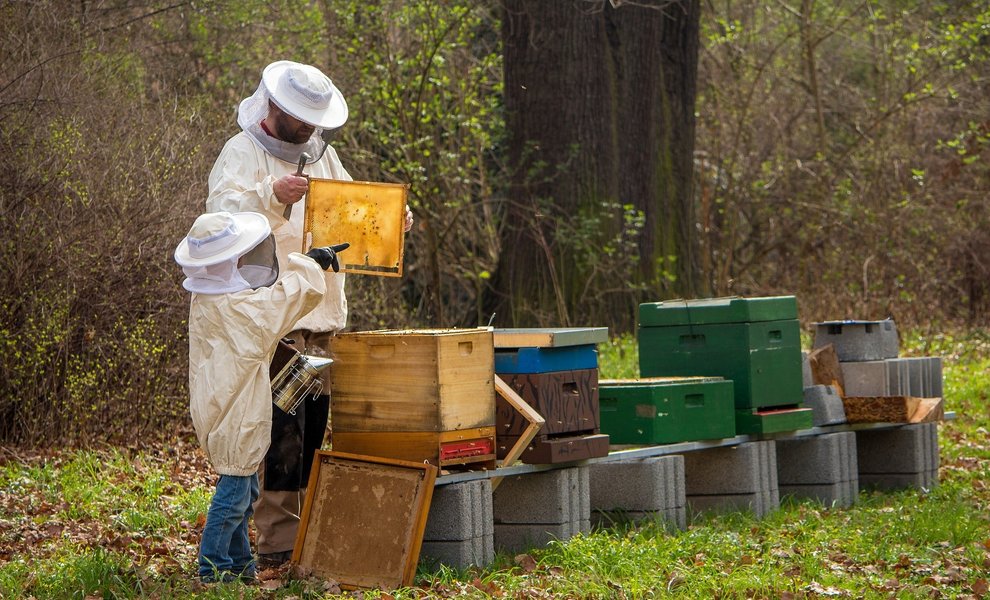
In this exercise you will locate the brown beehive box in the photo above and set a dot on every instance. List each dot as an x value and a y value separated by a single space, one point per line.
430 380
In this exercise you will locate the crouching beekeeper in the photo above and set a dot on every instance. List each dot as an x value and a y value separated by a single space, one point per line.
240 309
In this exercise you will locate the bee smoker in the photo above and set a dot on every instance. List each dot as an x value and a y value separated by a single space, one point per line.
295 376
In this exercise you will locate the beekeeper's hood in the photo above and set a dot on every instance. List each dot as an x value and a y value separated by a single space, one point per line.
302 91
226 253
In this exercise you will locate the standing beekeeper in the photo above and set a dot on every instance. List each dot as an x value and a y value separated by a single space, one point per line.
239 310
295 111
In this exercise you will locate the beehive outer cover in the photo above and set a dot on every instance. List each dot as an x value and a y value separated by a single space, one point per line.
717 310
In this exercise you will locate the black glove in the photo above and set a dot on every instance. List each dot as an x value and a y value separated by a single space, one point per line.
326 256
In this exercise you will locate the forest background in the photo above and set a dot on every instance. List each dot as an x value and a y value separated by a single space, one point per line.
840 155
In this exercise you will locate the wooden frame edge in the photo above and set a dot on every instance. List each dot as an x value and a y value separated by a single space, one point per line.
536 421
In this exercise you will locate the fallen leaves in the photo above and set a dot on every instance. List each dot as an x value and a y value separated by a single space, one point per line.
526 562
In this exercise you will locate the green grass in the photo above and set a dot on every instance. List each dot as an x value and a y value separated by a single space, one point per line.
117 523
619 358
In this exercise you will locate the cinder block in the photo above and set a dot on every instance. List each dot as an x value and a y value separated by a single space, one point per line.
819 459
914 376
460 511
859 340
517 537
917 377
841 494
743 469
921 377
935 365
869 378
478 551
906 449
555 496
826 405
924 480
650 484
671 519
760 503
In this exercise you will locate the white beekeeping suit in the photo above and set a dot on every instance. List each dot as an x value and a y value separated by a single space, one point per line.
245 172
238 313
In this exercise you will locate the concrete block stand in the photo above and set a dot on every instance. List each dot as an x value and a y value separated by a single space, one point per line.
920 377
821 467
459 529
859 340
639 490
904 457
531 510
742 477
826 405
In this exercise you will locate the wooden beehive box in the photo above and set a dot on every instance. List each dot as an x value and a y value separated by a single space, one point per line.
555 371
413 380
421 395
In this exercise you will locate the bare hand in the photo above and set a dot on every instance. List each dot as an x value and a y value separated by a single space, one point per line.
290 189
409 221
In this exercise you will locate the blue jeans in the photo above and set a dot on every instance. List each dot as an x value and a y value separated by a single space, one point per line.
225 551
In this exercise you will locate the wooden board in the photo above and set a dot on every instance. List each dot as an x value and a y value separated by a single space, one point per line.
534 420
550 337
363 520
825 368
892 409
369 216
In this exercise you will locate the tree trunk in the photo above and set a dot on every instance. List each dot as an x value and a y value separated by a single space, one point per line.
600 114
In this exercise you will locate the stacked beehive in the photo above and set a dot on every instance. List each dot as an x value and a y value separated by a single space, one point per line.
556 372
755 342
420 395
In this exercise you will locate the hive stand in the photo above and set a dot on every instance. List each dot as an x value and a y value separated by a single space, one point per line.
639 490
534 509
898 458
820 467
460 528
742 477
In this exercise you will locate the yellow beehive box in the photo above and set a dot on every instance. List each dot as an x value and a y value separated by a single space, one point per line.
428 380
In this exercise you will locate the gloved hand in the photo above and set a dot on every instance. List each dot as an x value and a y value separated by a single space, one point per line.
326 256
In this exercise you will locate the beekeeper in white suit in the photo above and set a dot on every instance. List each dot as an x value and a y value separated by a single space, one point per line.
296 109
241 306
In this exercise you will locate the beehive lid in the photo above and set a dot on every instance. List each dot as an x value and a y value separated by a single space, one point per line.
551 337
369 216
655 381
417 332
711 311
363 520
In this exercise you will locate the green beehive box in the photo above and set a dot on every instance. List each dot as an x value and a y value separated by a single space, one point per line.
666 410
754 342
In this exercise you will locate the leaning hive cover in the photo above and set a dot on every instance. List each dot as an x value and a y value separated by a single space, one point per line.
369 216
